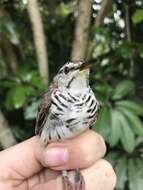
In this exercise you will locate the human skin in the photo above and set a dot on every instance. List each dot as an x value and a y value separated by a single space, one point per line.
29 166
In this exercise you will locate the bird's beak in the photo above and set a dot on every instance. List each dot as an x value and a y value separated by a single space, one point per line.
85 65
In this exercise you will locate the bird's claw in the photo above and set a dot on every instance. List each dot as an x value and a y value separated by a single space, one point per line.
79 183
67 185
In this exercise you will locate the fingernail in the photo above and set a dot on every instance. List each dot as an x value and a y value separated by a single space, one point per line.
56 156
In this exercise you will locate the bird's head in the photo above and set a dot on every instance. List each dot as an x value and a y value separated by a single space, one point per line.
73 75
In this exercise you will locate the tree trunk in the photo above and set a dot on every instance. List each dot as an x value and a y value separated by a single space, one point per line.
9 55
51 7
39 39
6 47
129 37
81 30
6 137
106 7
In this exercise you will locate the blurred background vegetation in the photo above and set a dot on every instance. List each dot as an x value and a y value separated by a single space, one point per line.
36 38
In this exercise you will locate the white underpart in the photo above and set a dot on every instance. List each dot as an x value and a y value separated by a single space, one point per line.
71 115
54 128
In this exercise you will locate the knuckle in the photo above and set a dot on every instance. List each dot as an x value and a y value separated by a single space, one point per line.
99 146
93 149
109 173
102 145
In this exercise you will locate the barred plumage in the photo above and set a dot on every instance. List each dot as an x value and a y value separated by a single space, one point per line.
69 107
69 116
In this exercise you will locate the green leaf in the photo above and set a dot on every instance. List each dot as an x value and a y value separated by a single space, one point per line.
132 106
100 35
3 68
103 91
122 89
63 10
127 136
7 83
121 170
30 90
102 125
16 97
137 16
125 50
112 157
36 81
115 128
134 121
139 164
19 96
134 174
25 75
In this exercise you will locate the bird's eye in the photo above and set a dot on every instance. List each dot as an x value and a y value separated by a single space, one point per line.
66 70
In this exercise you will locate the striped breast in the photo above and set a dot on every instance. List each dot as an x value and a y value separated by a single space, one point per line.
69 114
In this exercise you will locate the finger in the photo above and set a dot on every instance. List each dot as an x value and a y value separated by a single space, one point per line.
28 158
99 176
80 152
22 160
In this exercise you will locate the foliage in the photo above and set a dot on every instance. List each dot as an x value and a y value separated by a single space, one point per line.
122 121
120 93
137 16
21 87
122 128
7 27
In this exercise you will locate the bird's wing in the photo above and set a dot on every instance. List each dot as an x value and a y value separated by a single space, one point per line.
43 110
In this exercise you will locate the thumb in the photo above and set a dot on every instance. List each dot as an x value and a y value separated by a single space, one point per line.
29 157
80 152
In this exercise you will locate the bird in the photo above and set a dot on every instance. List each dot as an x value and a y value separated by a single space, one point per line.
67 109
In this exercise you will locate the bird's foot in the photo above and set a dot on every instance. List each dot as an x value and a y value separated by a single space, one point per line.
78 184
79 181
67 185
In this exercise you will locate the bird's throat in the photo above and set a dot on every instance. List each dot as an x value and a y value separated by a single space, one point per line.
79 84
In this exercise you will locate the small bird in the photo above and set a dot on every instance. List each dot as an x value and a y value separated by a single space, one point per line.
68 109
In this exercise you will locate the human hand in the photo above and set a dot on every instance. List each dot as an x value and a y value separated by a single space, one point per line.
28 166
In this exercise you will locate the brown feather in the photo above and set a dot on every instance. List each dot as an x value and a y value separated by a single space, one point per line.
43 109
